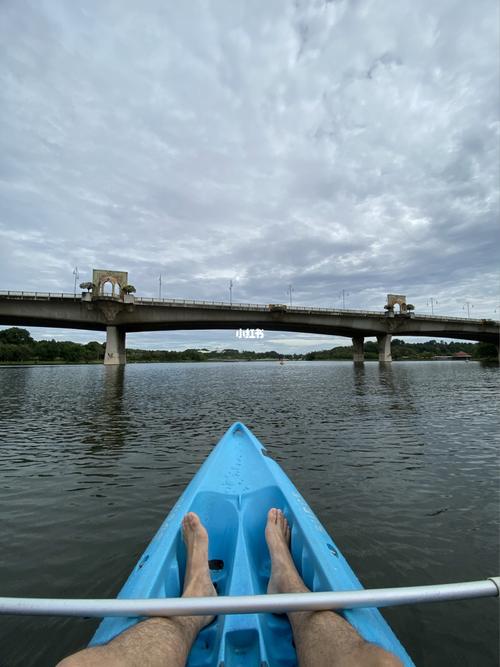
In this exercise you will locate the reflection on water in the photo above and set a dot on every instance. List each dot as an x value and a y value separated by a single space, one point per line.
386 377
399 462
109 421
359 374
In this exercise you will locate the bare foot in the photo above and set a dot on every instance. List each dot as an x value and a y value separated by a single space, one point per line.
197 582
284 575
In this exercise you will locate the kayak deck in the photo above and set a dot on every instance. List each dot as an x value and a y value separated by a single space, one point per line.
232 493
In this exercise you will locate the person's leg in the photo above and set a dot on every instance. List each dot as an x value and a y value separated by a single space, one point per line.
322 638
160 641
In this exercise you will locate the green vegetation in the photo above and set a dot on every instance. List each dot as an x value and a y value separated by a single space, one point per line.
205 355
402 350
17 346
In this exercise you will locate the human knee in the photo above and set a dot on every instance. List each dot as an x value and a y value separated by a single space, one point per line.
374 656
70 661
89 657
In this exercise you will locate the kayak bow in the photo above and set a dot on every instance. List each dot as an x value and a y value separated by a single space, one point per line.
232 493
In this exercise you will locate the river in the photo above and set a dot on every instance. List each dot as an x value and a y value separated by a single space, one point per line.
400 463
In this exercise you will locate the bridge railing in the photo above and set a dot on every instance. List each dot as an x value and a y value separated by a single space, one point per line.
39 295
297 309
44 296
250 306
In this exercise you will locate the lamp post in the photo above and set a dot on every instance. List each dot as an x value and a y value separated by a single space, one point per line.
290 290
430 302
230 292
468 305
77 276
343 295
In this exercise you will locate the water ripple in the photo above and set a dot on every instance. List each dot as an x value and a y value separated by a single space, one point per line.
400 463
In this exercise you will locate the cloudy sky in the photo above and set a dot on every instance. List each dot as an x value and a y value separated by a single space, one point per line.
343 145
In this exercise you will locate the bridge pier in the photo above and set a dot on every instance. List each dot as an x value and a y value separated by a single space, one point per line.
358 352
115 347
384 347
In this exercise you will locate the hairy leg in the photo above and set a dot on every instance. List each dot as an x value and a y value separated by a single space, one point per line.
160 641
322 638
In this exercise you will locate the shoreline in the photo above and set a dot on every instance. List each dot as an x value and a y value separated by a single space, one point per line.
7 364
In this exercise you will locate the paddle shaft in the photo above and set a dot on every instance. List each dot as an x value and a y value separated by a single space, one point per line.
249 604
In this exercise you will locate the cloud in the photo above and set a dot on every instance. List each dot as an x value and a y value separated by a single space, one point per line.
328 145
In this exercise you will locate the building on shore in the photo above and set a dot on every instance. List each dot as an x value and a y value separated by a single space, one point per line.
460 356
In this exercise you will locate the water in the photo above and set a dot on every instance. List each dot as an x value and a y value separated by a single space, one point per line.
399 462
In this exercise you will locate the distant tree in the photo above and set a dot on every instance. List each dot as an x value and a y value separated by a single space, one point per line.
88 286
410 307
485 351
128 289
94 351
9 352
16 336
46 350
69 351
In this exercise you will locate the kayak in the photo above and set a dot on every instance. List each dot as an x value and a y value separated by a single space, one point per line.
232 493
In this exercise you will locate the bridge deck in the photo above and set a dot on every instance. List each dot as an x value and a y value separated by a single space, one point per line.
192 303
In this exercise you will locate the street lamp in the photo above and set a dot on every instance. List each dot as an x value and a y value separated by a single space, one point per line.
430 302
77 276
468 305
290 290
230 292
343 295
159 287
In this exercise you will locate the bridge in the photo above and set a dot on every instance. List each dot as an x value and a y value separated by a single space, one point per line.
124 313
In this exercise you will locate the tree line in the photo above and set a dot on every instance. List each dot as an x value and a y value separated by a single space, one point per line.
401 350
17 345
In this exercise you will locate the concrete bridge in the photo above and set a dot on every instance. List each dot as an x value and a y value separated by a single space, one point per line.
119 315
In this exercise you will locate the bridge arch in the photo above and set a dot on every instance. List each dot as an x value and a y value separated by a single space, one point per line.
394 300
109 286
109 283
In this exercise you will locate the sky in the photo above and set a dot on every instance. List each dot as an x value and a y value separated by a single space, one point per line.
349 149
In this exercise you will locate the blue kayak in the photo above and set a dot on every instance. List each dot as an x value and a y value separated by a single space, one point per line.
232 493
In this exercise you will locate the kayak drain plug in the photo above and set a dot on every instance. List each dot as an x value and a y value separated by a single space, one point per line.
216 564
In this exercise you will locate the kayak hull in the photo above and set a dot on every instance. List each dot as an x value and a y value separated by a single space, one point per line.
232 493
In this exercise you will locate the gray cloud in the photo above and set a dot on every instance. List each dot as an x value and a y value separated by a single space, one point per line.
331 145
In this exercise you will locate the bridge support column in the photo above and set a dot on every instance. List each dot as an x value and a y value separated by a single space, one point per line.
384 347
358 352
115 347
